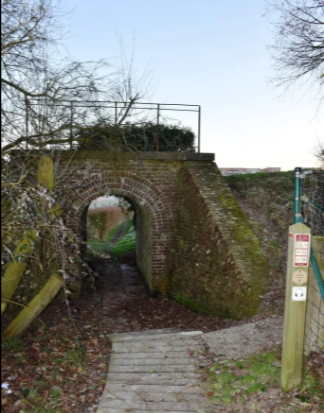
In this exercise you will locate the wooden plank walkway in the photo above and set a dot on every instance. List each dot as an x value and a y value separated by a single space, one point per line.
154 371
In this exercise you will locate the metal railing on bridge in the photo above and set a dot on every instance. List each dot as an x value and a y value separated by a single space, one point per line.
79 114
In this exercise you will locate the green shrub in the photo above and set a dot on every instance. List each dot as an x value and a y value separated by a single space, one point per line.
172 138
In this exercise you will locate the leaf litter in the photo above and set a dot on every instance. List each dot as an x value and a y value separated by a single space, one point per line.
60 364
253 385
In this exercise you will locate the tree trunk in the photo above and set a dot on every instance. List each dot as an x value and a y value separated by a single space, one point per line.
45 175
15 269
35 307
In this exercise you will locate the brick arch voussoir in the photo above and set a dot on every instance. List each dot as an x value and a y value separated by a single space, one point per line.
135 180
137 189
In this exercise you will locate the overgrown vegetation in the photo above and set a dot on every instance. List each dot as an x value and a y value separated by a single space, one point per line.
36 244
143 137
271 193
124 245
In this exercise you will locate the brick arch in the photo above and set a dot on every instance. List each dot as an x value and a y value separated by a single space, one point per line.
145 197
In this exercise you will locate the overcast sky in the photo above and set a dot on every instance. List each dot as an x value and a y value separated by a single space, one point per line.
210 53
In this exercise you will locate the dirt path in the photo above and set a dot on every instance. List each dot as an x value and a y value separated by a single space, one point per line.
124 304
119 234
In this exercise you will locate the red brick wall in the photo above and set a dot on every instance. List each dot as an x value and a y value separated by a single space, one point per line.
193 239
150 186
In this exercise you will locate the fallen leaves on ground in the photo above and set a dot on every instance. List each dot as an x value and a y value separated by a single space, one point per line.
60 364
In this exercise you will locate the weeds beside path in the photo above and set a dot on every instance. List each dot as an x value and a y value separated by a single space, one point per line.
253 385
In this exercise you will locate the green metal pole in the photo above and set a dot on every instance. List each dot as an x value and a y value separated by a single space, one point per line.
317 273
297 195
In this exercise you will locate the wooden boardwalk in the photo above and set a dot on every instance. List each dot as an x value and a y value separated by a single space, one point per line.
154 372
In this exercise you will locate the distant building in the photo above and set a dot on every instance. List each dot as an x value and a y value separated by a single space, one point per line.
232 171
253 170
271 169
242 171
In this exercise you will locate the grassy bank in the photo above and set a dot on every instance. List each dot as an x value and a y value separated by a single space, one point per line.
267 200
270 193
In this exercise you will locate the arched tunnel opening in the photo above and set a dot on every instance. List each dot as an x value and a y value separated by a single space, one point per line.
117 247
127 273
111 228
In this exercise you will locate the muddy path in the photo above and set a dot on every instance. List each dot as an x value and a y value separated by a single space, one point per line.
122 302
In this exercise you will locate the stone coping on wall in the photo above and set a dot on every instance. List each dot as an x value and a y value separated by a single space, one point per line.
103 154
158 156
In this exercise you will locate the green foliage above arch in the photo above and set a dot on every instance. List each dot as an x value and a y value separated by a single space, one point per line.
141 137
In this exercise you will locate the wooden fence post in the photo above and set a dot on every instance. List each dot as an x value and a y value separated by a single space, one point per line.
35 307
295 305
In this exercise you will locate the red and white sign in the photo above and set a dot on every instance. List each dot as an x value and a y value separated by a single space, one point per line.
301 250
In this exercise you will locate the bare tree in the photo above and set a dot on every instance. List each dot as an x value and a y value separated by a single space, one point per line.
298 46
319 154
36 86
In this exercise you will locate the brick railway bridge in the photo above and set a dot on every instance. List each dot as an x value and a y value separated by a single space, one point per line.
193 240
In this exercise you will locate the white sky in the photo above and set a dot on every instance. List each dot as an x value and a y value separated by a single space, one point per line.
212 53
104 201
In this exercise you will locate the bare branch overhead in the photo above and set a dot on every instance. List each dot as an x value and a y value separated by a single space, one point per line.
297 49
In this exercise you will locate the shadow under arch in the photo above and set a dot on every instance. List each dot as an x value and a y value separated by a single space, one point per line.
153 214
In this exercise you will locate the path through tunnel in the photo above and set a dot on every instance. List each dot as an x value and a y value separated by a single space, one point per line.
118 245
129 256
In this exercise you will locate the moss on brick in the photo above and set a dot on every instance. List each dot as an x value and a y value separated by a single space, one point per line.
219 266
193 305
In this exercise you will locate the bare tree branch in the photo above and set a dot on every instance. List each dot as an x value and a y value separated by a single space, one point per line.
35 87
298 46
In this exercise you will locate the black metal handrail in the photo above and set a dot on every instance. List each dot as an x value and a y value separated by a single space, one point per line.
116 105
